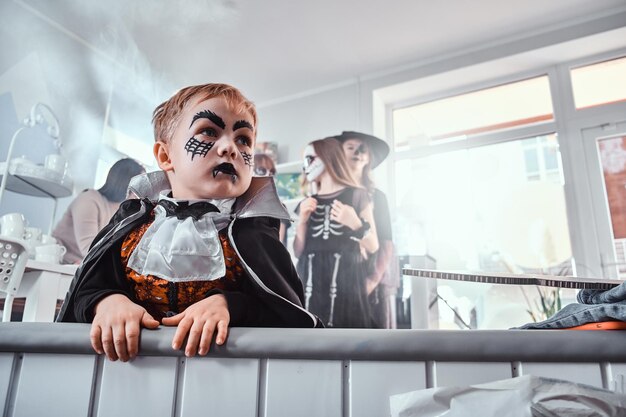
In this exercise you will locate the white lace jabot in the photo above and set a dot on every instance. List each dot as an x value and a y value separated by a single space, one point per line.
179 250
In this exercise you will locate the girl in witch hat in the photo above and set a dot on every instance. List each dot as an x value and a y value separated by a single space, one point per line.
364 153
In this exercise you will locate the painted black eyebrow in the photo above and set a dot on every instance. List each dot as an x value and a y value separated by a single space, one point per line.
242 123
208 114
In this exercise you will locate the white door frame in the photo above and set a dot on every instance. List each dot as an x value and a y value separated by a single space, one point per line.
601 215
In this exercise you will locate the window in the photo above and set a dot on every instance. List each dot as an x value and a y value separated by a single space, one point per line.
493 208
598 84
466 207
542 160
479 185
493 109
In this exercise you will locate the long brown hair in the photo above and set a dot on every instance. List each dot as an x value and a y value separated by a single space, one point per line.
366 174
330 151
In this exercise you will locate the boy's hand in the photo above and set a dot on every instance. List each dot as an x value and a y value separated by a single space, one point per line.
200 320
307 207
116 326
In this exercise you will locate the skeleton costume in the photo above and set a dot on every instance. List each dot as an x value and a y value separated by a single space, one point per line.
331 266
166 254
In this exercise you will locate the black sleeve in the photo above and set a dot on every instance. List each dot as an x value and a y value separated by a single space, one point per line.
360 199
273 294
382 218
100 279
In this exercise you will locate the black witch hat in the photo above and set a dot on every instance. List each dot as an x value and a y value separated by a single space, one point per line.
378 147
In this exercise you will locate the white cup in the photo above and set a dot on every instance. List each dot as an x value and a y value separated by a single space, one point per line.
52 254
32 234
48 240
12 225
56 163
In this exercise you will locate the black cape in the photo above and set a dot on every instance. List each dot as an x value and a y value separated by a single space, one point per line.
272 296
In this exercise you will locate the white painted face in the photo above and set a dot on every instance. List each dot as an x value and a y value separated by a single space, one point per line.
313 166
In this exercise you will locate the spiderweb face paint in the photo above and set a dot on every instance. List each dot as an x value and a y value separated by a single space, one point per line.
198 147
247 158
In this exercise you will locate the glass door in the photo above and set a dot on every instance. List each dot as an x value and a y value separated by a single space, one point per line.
605 152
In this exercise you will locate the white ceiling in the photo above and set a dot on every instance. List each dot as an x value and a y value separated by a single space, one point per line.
272 48
114 60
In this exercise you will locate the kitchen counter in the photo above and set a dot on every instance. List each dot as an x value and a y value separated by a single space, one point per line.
43 284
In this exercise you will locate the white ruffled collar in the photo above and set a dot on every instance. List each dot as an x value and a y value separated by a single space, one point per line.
188 249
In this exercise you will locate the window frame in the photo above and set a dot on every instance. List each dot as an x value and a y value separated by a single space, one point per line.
473 88
568 124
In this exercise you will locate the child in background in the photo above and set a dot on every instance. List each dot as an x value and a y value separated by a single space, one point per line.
365 152
264 167
92 210
333 225
200 250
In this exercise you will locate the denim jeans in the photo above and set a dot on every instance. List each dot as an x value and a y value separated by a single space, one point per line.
593 306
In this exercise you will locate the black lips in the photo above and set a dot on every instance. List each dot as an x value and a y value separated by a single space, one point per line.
227 169
224 168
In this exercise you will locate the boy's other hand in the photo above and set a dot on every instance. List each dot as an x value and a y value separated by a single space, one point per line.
200 320
116 327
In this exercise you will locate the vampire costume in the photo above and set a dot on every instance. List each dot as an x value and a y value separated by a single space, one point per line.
165 255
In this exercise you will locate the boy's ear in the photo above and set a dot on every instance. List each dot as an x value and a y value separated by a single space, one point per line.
162 156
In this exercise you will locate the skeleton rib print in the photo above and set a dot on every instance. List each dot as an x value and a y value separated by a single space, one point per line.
322 224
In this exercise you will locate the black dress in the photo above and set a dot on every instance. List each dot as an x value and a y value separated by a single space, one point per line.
380 298
331 266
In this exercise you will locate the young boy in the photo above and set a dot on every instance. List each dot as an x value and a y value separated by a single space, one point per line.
200 250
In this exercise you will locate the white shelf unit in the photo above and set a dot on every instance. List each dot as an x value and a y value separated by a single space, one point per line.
39 182
30 179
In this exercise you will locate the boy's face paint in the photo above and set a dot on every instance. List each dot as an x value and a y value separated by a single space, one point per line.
357 154
198 147
313 165
210 153
247 158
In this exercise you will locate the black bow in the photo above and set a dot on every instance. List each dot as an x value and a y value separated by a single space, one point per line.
183 209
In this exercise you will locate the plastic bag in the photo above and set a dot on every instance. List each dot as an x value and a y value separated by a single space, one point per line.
525 396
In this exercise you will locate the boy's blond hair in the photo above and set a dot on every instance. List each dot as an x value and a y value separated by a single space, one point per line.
167 114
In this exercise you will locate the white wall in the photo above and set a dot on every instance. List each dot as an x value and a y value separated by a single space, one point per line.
294 122
363 103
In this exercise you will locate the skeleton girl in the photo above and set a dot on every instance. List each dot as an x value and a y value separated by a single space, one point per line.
334 225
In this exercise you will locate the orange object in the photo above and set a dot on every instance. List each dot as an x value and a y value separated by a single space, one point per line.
601 325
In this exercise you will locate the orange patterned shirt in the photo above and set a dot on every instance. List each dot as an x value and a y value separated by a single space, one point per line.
162 298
